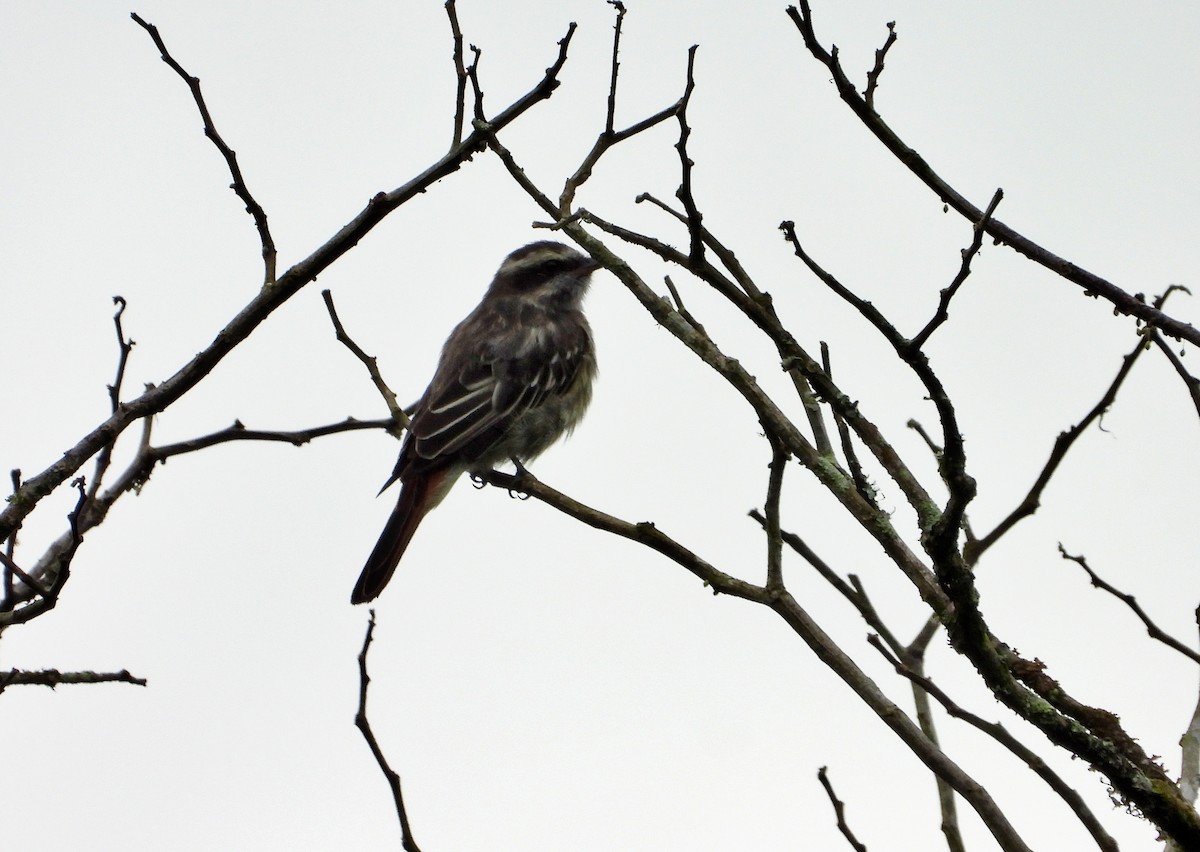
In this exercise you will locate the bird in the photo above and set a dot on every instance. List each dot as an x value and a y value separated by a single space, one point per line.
513 377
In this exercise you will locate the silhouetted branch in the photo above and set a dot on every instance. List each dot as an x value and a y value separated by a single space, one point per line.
968 254
53 678
874 74
364 726
1189 781
1062 445
1130 601
210 130
861 482
779 460
125 346
839 810
389 398
786 607
610 136
460 74
684 193
998 732
1093 285
46 573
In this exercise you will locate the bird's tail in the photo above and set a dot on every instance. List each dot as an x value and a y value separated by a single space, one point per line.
417 497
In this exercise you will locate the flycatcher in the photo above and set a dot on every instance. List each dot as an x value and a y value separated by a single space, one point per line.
514 377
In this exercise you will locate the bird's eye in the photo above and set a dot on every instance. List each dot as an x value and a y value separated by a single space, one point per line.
548 269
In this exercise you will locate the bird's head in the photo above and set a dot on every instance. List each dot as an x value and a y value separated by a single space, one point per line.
552 273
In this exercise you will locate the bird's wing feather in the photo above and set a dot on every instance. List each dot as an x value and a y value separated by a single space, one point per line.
513 368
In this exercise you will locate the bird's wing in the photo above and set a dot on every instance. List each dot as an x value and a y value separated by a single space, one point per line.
512 367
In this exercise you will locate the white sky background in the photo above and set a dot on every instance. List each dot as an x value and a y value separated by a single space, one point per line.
538 684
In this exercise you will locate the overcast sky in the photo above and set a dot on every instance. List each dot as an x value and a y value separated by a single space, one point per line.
538 684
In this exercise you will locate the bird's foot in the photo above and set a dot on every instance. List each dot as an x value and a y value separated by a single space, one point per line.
522 472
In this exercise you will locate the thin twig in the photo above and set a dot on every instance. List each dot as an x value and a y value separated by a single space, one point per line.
10 549
684 193
1062 445
32 582
874 74
125 346
616 52
852 591
724 253
57 569
779 460
934 448
460 75
609 136
1189 769
680 307
940 528
368 361
53 678
947 801
364 726
839 810
812 411
238 432
1032 500
645 533
476 87
210 130
861 482
1130 601
968 254
1192 383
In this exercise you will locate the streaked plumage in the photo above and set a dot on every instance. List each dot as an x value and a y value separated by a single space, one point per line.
513 377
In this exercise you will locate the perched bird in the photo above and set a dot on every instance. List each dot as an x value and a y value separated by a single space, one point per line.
513 377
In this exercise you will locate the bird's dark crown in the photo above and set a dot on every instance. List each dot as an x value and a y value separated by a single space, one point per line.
538 263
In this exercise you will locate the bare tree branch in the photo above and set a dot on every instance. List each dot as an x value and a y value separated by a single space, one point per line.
779 460
1093 285
861 482
460 74
997 732
839 810
45 576
785 606
684 193
53 678
1130 601
968 254
838 482
29 580
125 346
874 74
1192 382
1062 445
369 361
210 130
1189 781
364 726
